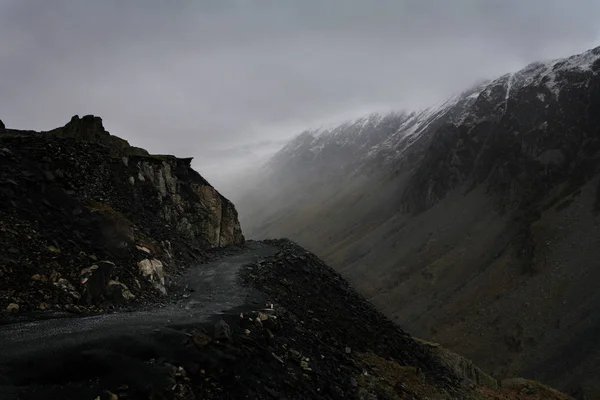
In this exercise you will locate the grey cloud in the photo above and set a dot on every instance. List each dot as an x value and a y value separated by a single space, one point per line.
207 78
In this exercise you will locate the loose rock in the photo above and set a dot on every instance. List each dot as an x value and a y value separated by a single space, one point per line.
13 308
222 330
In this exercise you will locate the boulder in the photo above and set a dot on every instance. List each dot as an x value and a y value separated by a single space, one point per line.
153 270
96 278
118 292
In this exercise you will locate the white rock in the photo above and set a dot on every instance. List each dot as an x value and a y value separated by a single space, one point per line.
142 248
64 284
153 270
12 308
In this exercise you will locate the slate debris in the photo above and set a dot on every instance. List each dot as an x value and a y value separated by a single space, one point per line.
334 322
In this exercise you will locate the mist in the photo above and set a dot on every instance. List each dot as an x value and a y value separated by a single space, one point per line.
229 82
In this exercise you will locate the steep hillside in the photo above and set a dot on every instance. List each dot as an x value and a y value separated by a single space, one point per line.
471 223
81 209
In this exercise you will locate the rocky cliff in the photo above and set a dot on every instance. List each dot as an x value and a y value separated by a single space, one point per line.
82 210
471 222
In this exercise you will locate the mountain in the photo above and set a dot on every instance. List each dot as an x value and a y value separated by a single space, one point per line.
471 223
125 275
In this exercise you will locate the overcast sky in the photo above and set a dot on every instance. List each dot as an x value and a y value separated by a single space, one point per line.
229 81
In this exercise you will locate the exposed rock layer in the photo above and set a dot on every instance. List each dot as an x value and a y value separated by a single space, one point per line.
75 195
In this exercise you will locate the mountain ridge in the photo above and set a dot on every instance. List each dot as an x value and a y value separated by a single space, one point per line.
479 213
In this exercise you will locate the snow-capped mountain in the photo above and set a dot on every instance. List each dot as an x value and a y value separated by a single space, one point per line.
388 137
377 136
477 217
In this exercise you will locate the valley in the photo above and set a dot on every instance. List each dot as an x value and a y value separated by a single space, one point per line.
471 223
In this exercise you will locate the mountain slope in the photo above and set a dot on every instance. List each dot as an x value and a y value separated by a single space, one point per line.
471 223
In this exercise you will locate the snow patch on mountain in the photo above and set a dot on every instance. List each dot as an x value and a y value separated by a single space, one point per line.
547 73
393 133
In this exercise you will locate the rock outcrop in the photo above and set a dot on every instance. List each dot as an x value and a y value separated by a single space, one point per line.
77 195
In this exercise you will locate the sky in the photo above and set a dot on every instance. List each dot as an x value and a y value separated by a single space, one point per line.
229 82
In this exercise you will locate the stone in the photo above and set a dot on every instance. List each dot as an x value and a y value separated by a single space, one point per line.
13 308
53 249
200 339
118 292
131 180
222 330
86 273
54 276
39 278
72 309
64 284
142 248
304 365
43 306
153 270
262 316
275 356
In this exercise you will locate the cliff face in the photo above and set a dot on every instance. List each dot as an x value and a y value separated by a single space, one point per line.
471 223
77 196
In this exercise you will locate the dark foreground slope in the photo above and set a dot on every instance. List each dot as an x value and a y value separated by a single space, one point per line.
81 210
473 223
269 321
